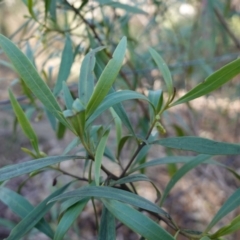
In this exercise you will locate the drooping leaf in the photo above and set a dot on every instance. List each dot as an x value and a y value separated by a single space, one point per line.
214 81
164 70
156 98
115 98
24 123
232 203
20 206
99 155
199 145
137 221
107 77
68 218
107 229
113 193
34 216
181 172
65 65
15 170
30 76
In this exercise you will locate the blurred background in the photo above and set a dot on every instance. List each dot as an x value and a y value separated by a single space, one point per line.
194 37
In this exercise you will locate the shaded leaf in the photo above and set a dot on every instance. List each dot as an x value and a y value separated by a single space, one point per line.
137 221
15 170
200 145
107 226
181 172
65 65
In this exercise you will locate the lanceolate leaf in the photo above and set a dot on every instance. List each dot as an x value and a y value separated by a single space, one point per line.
99 155
113 193
15 170
181 172
68 218
232 203
164 70
137 221
214 81
230 228
34 216
65 66
107 77
200 145
24 123
19 205
30 76
86 78
115 98
67 96
107 226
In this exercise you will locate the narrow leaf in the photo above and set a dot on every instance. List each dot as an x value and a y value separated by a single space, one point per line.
107 226
214 81
68 218
99 155
113 193
67 96
164 70
137 221
65 65
34 216
232 227
107 77
200 145
86 78
20 206
30 76
232 203
181 172
15 170
24 123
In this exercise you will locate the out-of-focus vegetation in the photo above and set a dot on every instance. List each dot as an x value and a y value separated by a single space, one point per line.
195 39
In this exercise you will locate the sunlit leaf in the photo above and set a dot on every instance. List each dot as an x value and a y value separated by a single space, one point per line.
107 77
214 81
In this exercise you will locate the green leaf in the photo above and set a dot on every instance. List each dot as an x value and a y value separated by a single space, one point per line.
65 65
181 172
232 227
113 193
200 145
214 81
205 238
74 143
156 98
24 123
107 226
22 208
126 7
34 216
30 8
86 78
67 96
113 99
118 125
30 76
137 221
160 161
232 203
162 66
68 218
15 170
99 155
6 223
29 53
107 77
